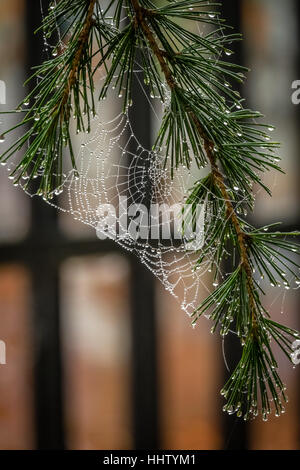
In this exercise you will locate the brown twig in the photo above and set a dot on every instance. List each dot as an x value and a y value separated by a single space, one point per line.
83 37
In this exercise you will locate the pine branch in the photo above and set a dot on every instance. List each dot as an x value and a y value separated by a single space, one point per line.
65 85
204 121
209 147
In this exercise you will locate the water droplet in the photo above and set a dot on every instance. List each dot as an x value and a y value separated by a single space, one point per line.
231 410
2 138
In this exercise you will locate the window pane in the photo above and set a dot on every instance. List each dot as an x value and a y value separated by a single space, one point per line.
191 365
16 407
97 352
14 204
271 43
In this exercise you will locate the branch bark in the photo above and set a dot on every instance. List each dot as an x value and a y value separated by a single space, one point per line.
83 37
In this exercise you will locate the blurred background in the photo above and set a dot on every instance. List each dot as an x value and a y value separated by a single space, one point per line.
99 356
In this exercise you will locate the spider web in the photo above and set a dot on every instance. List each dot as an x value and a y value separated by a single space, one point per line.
125 192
